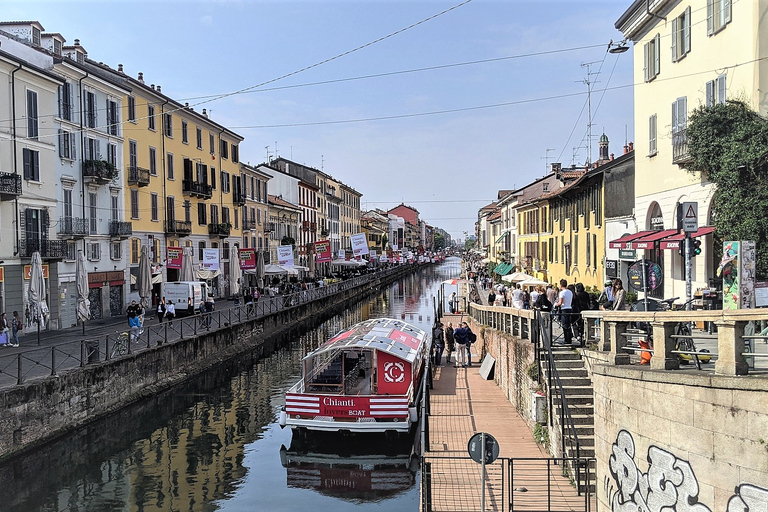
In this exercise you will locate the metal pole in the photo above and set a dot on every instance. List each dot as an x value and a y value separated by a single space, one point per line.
645 285
688 270
482 472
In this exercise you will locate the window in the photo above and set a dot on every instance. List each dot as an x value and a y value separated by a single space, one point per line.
170 165
32 126
225 215
200 249
258 216
115 210
93 149
236 219
716 91
66 101
94 251
199 138
652 149
135 250
213 178
133 157
254 186
225 182
718 15
224 149
170 209
151 116
92 212
214 214
67 145
35 36
57 47
132 109
152 161
113 118
187 211
594 252
90 109
201 214
264 196
112 154
235 154
681 35
134 204
184 132
589 250
153 203
31 164
651 63
114 250
70 251
679 115
168 119
156 251
212 143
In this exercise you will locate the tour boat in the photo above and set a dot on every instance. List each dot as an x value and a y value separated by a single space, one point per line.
364 379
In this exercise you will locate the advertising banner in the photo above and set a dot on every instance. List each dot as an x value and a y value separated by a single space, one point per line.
359 244
285 255
210 259
341 254
737 268
247 259
323 251
174 257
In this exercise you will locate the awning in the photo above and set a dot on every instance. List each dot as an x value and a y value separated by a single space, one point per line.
502 237
673 242
503 268
649 240
624 241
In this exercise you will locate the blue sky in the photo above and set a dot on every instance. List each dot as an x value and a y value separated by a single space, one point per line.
446 165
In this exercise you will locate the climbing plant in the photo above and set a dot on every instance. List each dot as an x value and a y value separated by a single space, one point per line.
728 144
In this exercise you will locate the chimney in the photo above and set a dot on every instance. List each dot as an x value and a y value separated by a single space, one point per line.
631 146
611 156
159 89
152 86
205 113
77 42
186 105
119 68
626 149
141 77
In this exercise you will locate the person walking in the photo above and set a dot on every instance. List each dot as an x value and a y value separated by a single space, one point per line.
565 303
132 312
17 325
4 331
606 296
491 297
581 300
160 310
551 294
517 297
438 342
619 295
170 311
452 302
450 343
461 336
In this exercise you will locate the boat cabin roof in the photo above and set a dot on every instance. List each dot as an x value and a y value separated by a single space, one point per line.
395 337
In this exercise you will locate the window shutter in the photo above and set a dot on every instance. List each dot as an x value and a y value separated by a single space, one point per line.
687 31
675 28
97 149
27 165
710 17
61 143
109 115
721 91
674 117
61 101
36 162
656 55
726 11
682 112
652 135
710 93
72 146
646 61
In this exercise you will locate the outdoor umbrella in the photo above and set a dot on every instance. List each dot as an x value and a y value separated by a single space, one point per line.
312 265
81 279
234 271
187 272
273 270
533 282
144 277
260 269
37 289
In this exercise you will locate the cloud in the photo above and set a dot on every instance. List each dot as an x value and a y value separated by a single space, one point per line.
206 20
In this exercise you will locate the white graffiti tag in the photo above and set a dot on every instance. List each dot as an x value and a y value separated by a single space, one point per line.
670 484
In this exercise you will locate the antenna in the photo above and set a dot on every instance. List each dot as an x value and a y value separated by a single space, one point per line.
275 149
546 160
322 163
267 148
589 83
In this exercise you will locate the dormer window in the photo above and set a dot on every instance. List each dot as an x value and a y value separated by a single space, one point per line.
80 58
35 36
57 47
546 187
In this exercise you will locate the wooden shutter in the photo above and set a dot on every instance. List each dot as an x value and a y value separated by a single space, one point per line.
710 17
61 101
726 6
710 100
674 116
62 153
188 169
656 55
687 31
721 90
72 146
646 61
97 149
675 28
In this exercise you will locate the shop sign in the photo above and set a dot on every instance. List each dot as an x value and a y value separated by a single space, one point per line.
28 272
285 255
359 244
323 252
2 274
175 254
612 269
247 258
210 259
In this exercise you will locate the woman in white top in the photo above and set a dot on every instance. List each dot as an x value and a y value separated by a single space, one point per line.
170 311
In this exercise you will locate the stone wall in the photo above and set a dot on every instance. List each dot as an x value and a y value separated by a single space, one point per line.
691 437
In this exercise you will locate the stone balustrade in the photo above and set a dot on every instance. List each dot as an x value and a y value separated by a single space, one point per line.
517 322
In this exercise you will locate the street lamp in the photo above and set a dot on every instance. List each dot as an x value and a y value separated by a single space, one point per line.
618 47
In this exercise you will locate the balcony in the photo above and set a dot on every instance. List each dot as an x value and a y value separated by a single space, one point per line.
48 249
178 228
238 198
10 185
120 229
73 227
220 230
680 154
138 176
323 232
313 226
249 224
196 189
99 171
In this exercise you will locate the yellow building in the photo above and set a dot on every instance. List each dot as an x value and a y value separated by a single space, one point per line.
533 229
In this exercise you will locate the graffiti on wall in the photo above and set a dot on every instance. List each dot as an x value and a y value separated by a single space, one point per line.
669 485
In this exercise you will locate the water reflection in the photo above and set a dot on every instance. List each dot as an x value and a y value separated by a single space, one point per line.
213 443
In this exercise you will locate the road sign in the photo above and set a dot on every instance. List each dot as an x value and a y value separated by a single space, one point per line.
476 449
690 217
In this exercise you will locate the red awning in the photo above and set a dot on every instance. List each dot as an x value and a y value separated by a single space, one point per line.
648 241
673 242
624 241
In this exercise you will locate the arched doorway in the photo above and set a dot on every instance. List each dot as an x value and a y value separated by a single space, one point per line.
655 222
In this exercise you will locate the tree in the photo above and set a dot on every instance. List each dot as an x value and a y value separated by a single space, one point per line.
439 241
384 240
287 240
728 144
469 244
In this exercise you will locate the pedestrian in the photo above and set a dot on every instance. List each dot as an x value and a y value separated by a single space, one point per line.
452 301
170 311
565 303
161 310
438 342
526 300
461 337
581 301
517 297
132 312
619 295
4 331
491 297
450 343
606 296
542 301
18 325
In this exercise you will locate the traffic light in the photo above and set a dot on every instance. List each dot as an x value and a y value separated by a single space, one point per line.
681 248
695 247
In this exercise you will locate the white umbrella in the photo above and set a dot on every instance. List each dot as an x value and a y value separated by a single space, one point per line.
144 277
344 263
81 280
260 268
276 270
187 272
37 290
533 282
517 277
234 271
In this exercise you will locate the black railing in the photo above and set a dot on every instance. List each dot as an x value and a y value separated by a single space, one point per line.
178 227
120 229
249 224
680 154
238 198
138 176
221 229
74 226
48 249
195 188
10 185
99 170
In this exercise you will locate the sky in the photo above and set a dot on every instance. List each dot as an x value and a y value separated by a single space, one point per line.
453 135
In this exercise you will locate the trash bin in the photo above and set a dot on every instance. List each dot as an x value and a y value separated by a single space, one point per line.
91 351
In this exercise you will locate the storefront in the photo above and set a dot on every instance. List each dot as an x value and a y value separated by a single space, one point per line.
106 293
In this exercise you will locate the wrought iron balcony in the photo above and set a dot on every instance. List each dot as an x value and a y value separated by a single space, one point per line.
99 171
249 224
680 153
178 228
120 229
74 227
48 249
138 176
221 229
238 198
10 185
323 232
196 189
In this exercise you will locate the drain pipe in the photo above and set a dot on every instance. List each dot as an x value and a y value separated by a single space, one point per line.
15 151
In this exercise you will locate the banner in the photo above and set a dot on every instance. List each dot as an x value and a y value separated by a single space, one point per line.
210 259
341 254
285 255
323 251
247 259
174 257
359 244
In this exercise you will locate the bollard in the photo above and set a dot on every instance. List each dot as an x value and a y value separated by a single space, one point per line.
53 361
181 329
107 356
19 375
165 334
82 353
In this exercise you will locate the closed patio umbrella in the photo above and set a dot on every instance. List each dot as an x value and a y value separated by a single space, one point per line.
260 269
81 280
235 273
144 277
37 289
187 272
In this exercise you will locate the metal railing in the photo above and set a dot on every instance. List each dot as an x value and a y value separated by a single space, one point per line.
10 184
178 227
107 344
680 153
101 170
221 229
120 229
138 176
48 249
196 188
74 226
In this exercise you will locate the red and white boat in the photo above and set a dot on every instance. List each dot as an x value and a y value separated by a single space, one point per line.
364 379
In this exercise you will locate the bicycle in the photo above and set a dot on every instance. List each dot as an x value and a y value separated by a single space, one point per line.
120 348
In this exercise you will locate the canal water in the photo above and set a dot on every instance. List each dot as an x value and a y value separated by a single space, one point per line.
213 443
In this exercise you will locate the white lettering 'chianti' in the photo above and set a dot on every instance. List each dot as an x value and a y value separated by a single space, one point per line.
338 403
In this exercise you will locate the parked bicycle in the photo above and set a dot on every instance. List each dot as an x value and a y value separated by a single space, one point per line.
120 348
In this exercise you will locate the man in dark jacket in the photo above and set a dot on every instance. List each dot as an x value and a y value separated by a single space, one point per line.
438 343
463 335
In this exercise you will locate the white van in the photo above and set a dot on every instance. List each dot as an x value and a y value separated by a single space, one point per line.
179 292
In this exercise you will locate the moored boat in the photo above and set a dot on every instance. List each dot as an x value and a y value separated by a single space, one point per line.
364 379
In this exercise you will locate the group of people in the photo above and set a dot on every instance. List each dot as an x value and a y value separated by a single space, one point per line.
573 299
449 340
9 333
